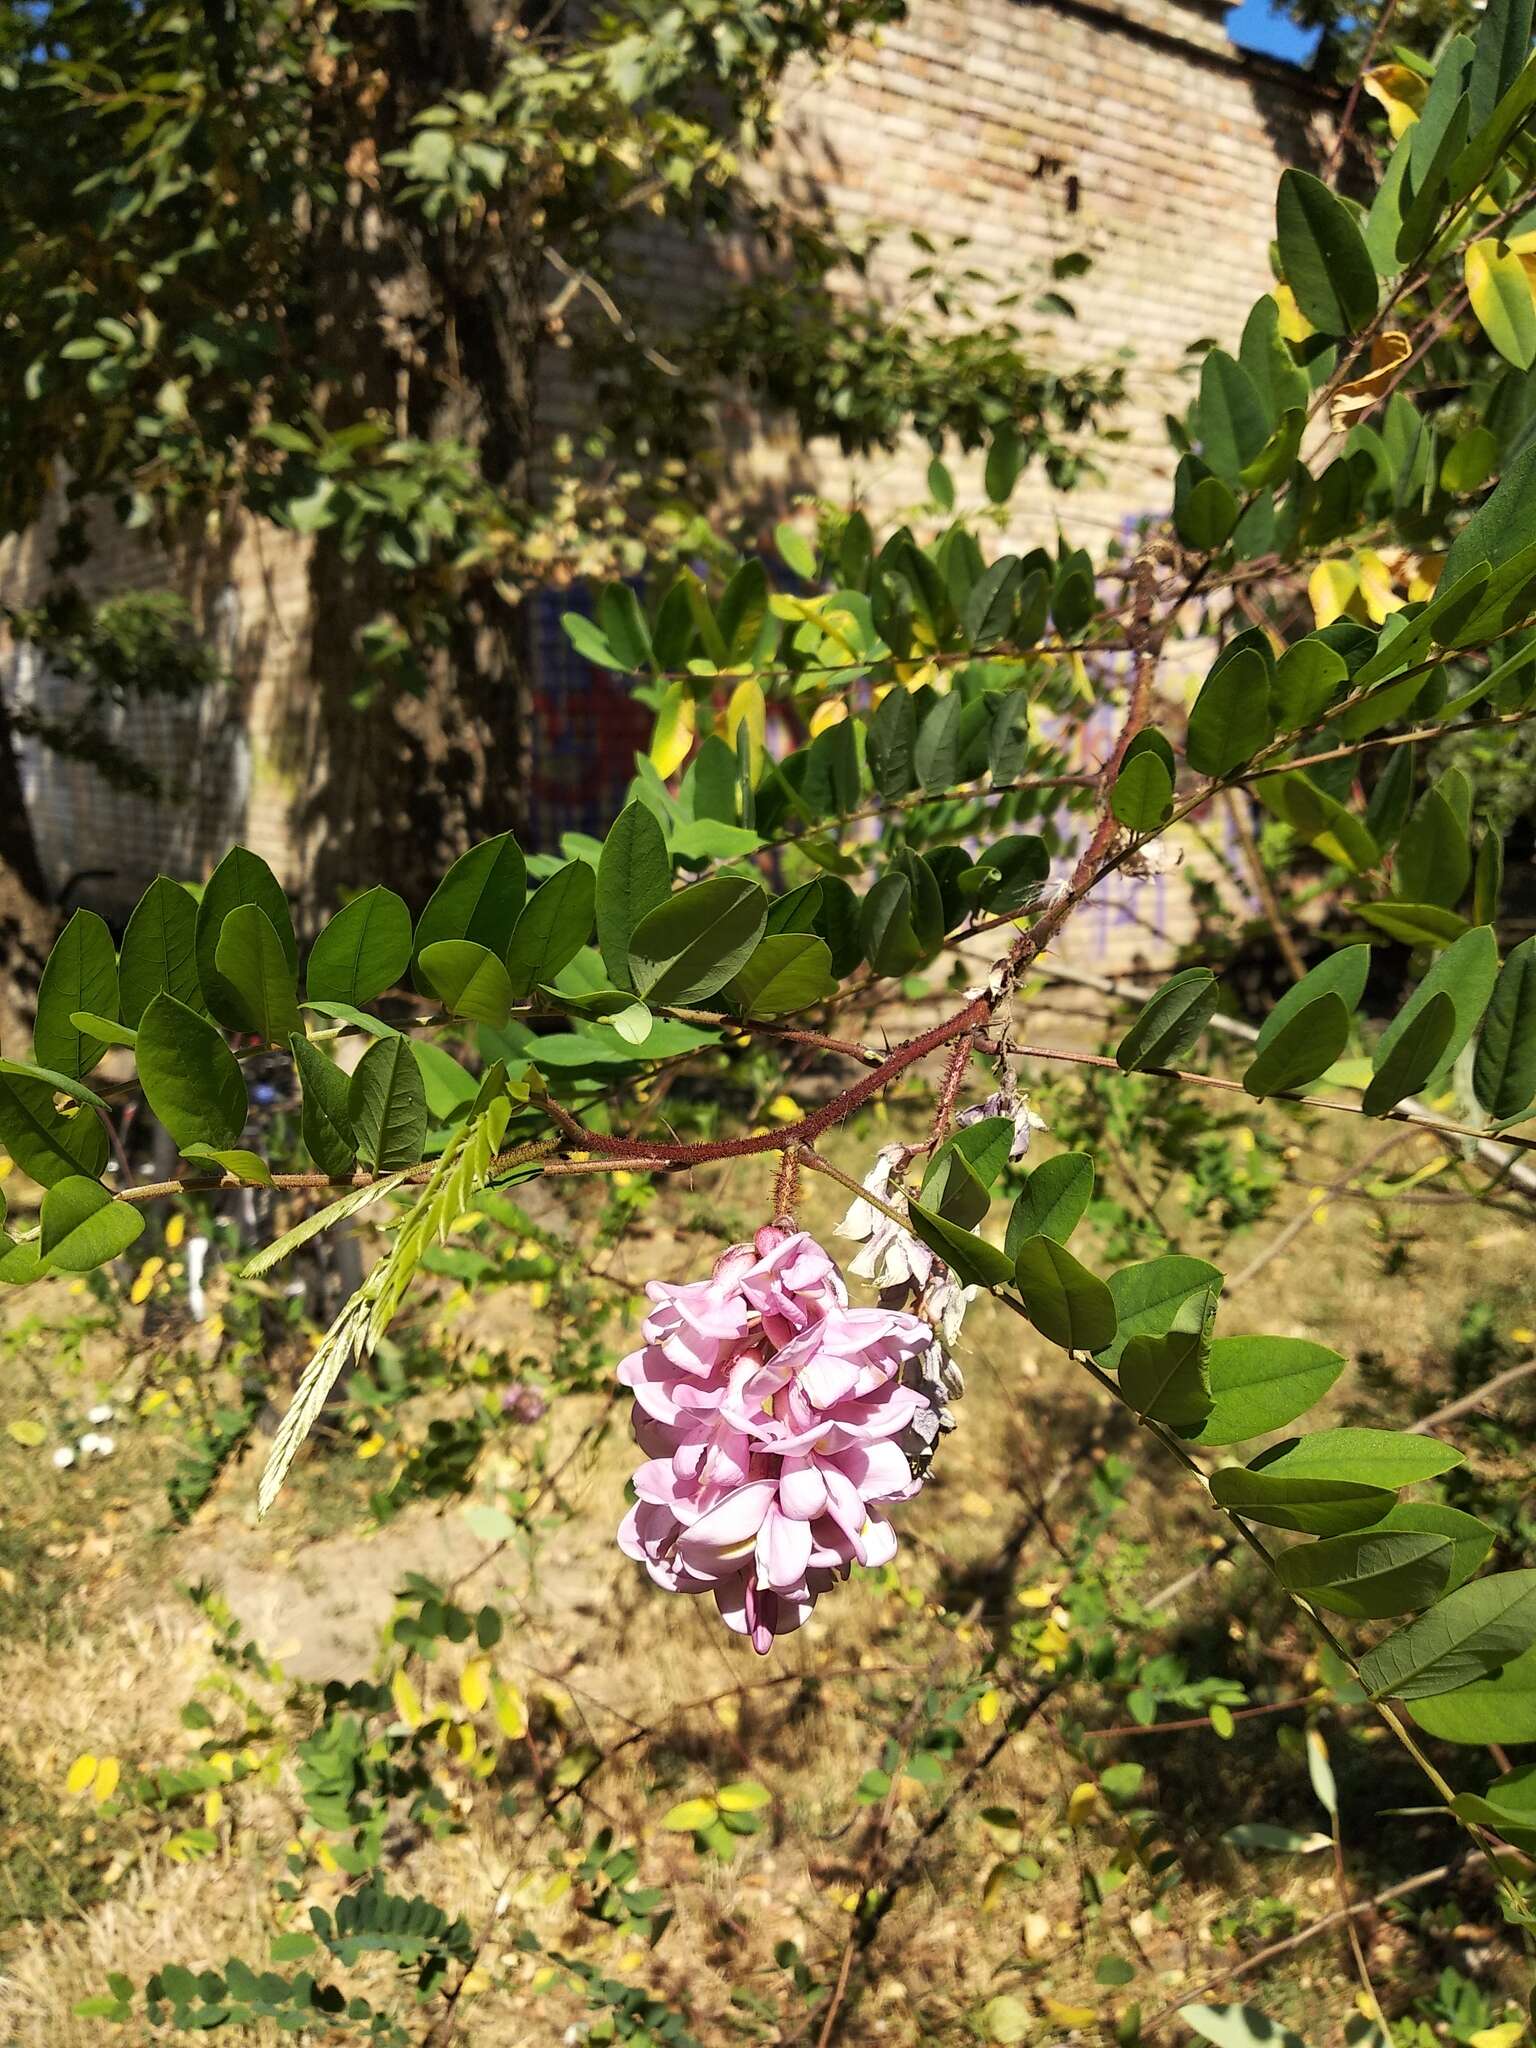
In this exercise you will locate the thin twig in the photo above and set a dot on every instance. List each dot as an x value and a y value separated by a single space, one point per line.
1276 1949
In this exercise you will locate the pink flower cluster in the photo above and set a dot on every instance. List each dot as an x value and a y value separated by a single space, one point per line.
772 1415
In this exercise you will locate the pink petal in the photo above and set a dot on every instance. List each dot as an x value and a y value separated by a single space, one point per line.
783 1550
802 1490
732 1523
880 1471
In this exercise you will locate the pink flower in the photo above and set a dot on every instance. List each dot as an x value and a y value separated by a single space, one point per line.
772 1413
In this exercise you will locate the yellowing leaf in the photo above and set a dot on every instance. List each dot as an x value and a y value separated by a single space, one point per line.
1354 399
676 723
1399 92
511 1714
1083 1805
1293 323
108 1772
1500 291
144 1280
213 1808
1505 2035
748 708
407 1700
1068 2015
81 1772
745 1795
175 1231
27 1433
1376 586
988 1706
475 1684
831 711
1331 588
688 1817
784 1109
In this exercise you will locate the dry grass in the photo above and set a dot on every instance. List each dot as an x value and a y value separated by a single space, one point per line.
107 1656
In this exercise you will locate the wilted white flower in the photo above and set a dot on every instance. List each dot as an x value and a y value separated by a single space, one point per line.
1012 1103
102 1412
863 1218
98 1446
944 1304
64 1457
892 1260
1157 857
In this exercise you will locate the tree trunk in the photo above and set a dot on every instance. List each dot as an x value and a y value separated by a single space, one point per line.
28 920
441 334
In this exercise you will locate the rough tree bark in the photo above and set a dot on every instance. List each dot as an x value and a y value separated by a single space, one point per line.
441 334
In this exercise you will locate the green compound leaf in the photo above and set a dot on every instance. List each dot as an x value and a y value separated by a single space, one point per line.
690 946
1304 1047
1371 1574
1064 1301
1318 1507
364 950
1471 1633
1498 1708
249 958
468 980
1261 1383
553 927
191 1079
159 951
1470 1539
83 1226
387 1106
326 1122
1170 1022
1173 1292
1342 974
1143 791
48 1144
478 899
80 974
634 876
973 1261
1052 1201
1323 255
240 1164
1415 924
241 877
1504 1071
1319 819
953 1191
1417 1050
788 971
1167 1378
1377 1457
1230 720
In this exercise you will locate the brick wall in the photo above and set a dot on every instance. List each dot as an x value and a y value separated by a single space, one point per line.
1130 129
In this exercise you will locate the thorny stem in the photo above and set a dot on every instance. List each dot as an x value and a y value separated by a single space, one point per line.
949 1088
786 1188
